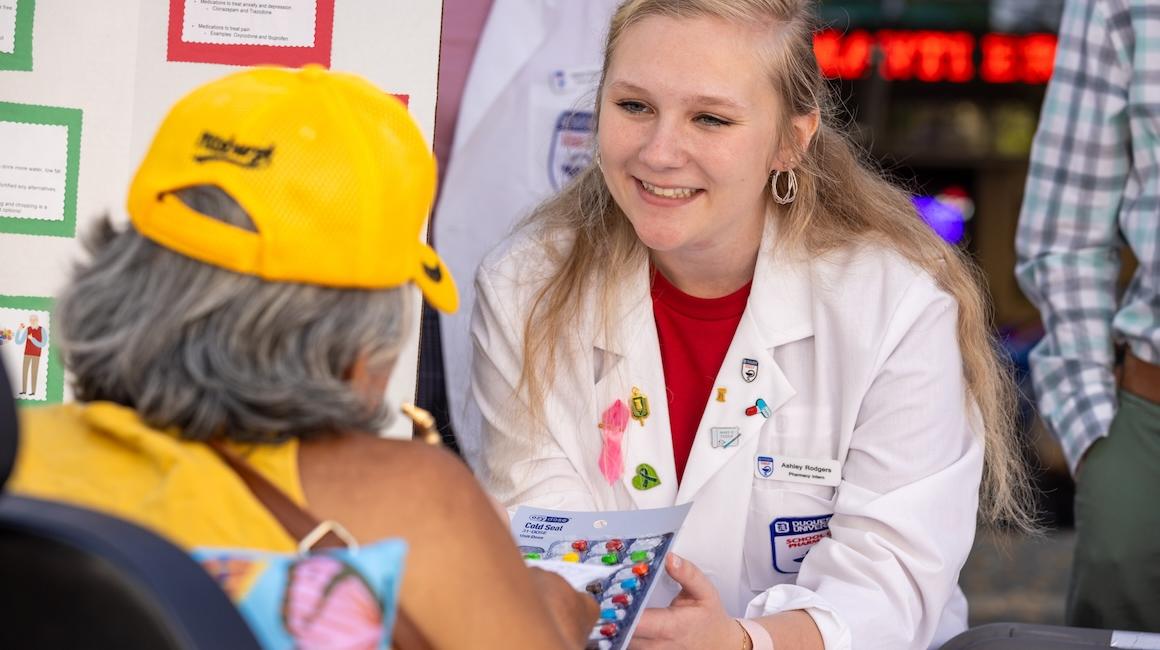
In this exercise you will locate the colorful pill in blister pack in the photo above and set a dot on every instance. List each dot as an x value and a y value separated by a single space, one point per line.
620 595
532 552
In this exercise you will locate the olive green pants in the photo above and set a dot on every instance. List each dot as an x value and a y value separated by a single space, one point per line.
1115 580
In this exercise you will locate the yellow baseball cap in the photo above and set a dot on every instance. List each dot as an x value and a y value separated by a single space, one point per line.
333 172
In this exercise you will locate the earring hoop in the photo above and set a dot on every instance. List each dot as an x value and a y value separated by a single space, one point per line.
791 187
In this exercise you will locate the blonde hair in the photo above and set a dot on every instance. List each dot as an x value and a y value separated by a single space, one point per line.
840 199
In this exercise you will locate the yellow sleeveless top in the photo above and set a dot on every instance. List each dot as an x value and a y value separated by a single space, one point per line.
100 455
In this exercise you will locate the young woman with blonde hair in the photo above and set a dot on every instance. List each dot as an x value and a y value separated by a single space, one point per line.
798 354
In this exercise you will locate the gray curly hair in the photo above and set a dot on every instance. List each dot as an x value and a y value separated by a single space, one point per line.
213 352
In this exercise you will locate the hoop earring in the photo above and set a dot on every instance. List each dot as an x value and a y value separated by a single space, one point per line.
790 187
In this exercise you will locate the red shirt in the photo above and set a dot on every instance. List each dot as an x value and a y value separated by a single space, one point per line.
694 334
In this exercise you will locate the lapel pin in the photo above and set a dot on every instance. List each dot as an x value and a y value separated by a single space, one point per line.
645 478
749 370
724 437
612 425
752 410
762 407
720 394
765 466
639 406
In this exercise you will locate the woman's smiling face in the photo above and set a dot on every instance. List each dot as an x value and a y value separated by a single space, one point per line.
687 133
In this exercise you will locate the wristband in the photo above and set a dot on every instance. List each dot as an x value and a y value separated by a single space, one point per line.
758 635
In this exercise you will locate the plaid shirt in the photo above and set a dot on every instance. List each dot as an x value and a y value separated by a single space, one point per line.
1094 185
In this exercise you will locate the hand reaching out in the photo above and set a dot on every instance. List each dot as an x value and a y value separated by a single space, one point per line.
695 619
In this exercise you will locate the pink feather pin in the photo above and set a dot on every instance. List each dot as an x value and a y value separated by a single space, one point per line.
612 425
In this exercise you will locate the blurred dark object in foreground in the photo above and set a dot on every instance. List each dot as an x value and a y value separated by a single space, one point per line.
1017 636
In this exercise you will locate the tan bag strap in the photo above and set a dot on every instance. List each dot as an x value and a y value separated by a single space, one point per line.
299 523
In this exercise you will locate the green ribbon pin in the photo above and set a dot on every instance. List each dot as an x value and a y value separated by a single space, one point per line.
646 477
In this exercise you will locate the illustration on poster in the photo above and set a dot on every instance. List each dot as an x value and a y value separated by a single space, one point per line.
23 348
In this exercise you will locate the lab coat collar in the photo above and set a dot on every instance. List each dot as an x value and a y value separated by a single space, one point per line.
629 357
632 300
780 300
779 311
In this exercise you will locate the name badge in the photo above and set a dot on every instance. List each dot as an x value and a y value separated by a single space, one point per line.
814 471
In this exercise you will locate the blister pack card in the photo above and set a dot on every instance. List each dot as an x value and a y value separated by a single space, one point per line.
617 557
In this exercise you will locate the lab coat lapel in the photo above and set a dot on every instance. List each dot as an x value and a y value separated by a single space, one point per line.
513 32
629 357
770 385
779 311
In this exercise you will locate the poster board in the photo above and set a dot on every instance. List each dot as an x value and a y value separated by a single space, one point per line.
88 83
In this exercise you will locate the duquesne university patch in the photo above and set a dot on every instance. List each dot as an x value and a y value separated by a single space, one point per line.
792 537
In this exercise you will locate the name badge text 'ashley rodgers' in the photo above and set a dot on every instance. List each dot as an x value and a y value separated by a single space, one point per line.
815 471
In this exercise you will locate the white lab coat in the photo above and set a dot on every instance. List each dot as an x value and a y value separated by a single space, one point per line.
858 364
537 60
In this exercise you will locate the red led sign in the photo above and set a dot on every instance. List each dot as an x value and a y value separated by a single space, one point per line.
934 56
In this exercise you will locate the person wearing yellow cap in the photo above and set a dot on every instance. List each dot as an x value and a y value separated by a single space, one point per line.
246 323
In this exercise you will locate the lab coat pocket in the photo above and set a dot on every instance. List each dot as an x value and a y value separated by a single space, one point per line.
784 522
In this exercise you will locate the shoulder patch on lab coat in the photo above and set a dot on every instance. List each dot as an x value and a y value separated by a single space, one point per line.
571 147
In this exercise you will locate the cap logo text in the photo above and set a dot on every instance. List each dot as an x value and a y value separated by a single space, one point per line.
216 148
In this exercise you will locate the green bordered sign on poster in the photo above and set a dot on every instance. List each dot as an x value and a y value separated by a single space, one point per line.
36 378
16 34
38 169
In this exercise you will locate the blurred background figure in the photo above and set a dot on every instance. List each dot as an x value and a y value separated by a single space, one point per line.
524 127
1091 199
